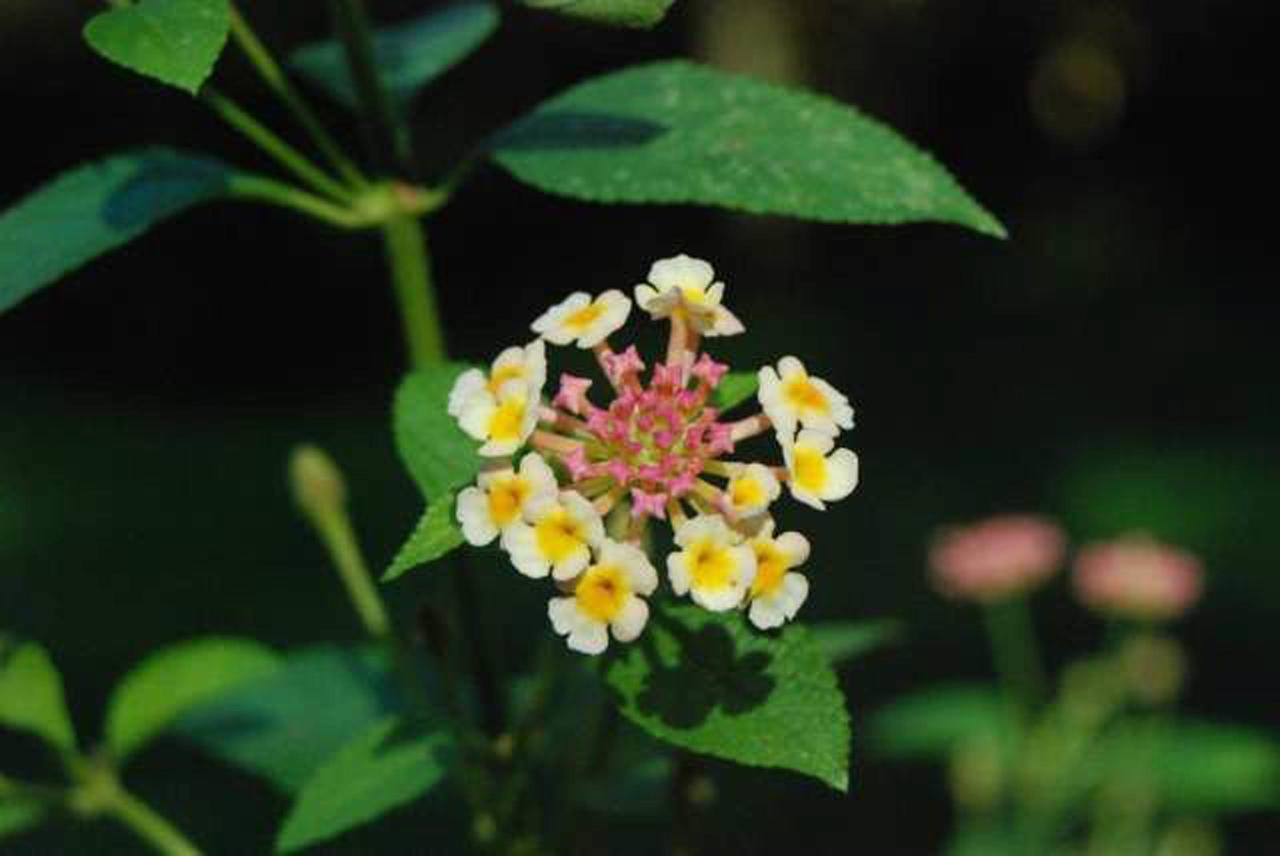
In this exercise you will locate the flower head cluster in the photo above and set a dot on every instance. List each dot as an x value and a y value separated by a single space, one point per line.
1138 577
657 452
996 558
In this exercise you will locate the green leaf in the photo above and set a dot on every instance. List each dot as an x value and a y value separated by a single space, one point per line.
1207 767
31 697
439 456
435 535
176 679
384 768
707 682
930 723
409 56
840 641
674 132
174 41
18 814
95 208
733 389
284 725
640 14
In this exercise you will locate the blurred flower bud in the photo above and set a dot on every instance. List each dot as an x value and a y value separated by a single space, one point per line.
995 558
317 483
1091 691
976 775
1154 668
1189 838
1137 577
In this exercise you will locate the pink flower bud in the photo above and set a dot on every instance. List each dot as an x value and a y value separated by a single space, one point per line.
1138 577
620 365
708 370
666 376
572 394
619 470
996 558
648 504
680 485
577 464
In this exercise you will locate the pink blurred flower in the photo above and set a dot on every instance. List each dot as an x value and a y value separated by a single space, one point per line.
995 558
1138 577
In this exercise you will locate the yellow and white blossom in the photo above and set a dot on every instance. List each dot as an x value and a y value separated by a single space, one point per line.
580 317
777 592
503 422
555 537
790 395
500 499
816 474
684 285
528 364
750 491
715 568
606 597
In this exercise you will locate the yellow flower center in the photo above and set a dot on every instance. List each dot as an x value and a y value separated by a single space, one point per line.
502 374
747 493
507 420
771 566
693 294
584 317
505 499
810 469
559 535
711 566
602 592
803 394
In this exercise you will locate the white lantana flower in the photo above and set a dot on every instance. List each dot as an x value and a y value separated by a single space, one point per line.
751 490
684 284
777 592
818 475
790 395
606 597
555 538
500 498
715 568
528 364
580 317
503 421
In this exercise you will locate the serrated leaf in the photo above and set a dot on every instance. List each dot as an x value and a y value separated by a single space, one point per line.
707 682
95 208
387 766
31 697
675 132
176 679
932 722
436 535
1211 768
640 14
173 41
840 641
409 56
284 725
438 455
734 389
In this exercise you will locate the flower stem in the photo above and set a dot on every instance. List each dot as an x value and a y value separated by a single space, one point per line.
272 192
1016 653
381 119
406 246
162 835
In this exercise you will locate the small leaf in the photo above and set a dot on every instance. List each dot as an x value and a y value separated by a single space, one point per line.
733 389
840 641
31 698
176 679
1206 767
675 132
174 41
639 14
95 208
435 535
707 682
439 456
18 814
284 725
932 722
409 56
384 768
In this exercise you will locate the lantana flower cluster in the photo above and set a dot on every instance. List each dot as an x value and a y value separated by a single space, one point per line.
600 463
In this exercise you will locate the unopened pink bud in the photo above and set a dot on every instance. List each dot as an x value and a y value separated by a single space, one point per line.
572 394
619 470
577 464
708 370
664 439
667 376
1138 577
648 504
620 365
996 558
721 439
680 485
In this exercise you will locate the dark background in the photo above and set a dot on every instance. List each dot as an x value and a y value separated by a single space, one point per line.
1111 364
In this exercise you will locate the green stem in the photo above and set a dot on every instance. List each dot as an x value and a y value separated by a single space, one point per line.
406 246
381 119
1016 653
339 538
162 835
275 147
257 189
278 82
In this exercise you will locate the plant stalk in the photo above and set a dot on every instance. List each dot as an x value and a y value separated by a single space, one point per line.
147 824
406 247
383 124
1016 652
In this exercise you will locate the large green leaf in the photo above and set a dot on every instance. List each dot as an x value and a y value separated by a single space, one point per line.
96 208
675 132
707 682
840 641
932 722
439 456
641 14
385 767
31 698
176 679
174 41
733 389
1207 767
284 725
436 535
409 56
18 812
